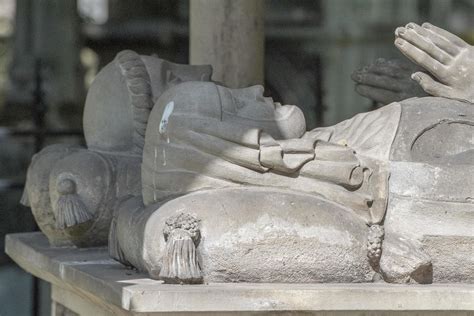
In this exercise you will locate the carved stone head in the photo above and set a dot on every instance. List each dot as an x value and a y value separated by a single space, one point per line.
122 95
246 107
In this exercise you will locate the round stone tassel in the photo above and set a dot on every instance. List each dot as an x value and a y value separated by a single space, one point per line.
70 210
374 245
180 262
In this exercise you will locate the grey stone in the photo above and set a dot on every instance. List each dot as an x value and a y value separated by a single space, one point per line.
87 281
448 58
181 126
427 122
404 262
73 191
387 80
126 89
237 137
230 150
202 183
435 212
36 194
292 238
431 186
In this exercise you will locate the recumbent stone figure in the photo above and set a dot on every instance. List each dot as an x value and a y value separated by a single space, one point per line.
234 189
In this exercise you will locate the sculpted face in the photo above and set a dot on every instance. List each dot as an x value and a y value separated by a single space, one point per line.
249 107
250 103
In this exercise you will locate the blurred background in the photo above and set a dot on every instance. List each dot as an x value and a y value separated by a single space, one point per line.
50 51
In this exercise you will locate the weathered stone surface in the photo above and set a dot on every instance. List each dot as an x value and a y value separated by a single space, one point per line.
404 261
431 185
202 183
431 205
435 130
230 148
89 277
36 193
73 191
452 257
292 238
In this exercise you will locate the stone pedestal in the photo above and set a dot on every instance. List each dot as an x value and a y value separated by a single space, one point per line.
87 282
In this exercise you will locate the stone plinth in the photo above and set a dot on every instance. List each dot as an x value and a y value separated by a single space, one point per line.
87 282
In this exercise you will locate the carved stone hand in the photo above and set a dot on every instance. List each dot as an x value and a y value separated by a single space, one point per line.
445 56
387 80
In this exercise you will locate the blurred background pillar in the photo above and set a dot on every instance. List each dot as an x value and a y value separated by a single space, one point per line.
47 32
229 35
57 42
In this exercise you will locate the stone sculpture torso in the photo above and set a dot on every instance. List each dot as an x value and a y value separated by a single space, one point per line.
392 133
213 145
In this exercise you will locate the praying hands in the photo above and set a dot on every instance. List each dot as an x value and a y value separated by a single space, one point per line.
448 59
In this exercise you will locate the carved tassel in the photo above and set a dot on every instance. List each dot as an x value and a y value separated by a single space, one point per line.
374 245
180 261
70 210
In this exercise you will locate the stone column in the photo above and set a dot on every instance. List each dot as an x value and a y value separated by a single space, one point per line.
228 34
57 41
20 90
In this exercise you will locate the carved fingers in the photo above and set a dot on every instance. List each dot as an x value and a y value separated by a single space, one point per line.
421 57
378 80
447 57
431 86
387 81
445 40
419 38
379 95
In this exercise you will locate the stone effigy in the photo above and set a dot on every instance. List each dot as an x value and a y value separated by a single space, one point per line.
225 185
299 209
73 190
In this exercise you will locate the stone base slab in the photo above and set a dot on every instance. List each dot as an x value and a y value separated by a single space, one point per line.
88 281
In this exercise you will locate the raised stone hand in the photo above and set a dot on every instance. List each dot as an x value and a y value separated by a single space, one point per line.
387 80
447 57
